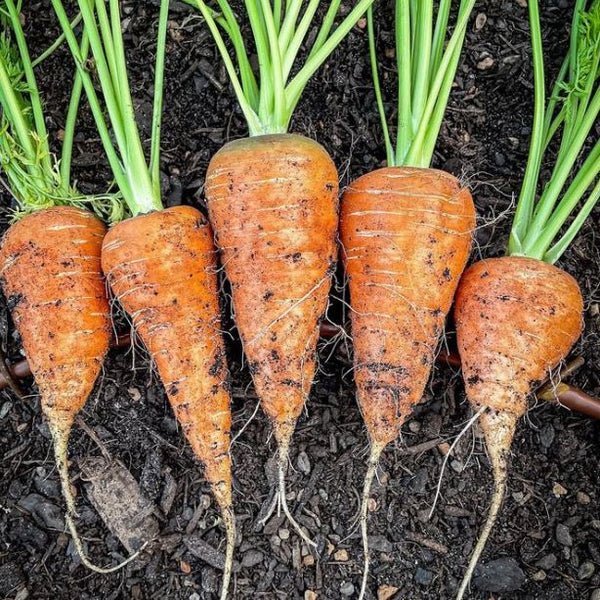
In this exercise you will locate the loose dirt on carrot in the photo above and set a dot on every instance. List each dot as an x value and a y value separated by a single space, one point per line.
545 543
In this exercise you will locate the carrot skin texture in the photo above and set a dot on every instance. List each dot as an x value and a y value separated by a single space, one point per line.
161 266
406 236
272 201
516 319
51 276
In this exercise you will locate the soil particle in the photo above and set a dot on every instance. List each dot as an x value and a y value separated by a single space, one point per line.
501 575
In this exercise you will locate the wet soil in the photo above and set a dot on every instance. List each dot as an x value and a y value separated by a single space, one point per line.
546 544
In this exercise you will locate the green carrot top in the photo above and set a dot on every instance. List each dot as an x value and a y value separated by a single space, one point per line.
566 121
137 180
426 72
268 98
34 177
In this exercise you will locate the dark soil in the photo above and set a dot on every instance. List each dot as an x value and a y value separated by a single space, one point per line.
549 531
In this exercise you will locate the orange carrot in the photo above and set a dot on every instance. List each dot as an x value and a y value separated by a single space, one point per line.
406 235
161 266
161 263
516 319
51 276
272 201
518 316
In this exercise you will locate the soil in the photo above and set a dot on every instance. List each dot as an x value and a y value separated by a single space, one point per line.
548 535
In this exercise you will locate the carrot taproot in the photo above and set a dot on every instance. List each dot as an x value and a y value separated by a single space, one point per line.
518 316
161 267
406 235
161 263
516 319
272 201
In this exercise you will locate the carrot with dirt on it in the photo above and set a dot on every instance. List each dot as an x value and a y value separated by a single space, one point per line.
161 263
518 316
50 256
406 233
272 201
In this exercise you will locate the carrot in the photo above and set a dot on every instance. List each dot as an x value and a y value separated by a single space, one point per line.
518 316
50 257
161 266
272 201
406 235
161 263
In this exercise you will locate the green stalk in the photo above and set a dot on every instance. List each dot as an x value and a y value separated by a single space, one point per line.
389 149
421 54
157 109
70 121
404 60
526 200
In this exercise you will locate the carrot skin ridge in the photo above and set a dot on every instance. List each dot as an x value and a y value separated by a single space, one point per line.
161 267
272 202
516 319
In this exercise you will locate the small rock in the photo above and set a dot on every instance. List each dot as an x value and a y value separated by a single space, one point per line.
563 535
558 490
308 560
134 394
303 463
595 595
586 570
457 465
547 435
284 534
347 588
310 595
499 159
414 426
443 448
583 498
386 592
547 562
480 21
539 575
252 558
341 555
500 575
485 63
423 577
194 596
210 581
362 23
379 543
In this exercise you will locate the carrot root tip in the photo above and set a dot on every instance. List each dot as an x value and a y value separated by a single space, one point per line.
229 523
282 502
376 450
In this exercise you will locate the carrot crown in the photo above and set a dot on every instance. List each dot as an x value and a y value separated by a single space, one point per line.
268 98
566 121
425 75
34 177
137 180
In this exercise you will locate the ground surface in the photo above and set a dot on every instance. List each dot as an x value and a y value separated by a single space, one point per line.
550 523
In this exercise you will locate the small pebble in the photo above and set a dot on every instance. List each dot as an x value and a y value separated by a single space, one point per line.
485 63
563 535
347 588
386 592
500 575
341 555
252 558
586 570
595 595
423 576
547 562
583 498
284 534
480 21
303 463
539 575
310 595
558 490
308 560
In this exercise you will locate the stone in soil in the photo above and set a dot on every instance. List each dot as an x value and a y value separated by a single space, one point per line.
500 575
